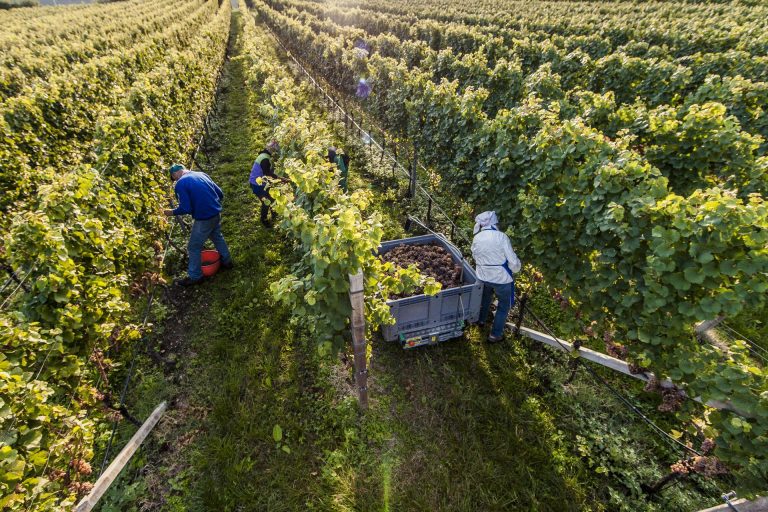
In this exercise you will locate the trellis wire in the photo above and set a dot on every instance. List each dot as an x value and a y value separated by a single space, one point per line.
353 122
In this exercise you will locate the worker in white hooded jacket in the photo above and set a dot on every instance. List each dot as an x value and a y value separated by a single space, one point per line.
496 265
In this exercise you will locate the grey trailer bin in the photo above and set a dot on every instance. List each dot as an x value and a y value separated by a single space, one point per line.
427 320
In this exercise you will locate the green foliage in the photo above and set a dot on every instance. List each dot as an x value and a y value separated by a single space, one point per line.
467 405
654 224
698 145
500 57
84 151
53 126
10 4
336 237
31 57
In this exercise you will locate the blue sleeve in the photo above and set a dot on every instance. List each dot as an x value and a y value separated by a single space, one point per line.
185 204
218 190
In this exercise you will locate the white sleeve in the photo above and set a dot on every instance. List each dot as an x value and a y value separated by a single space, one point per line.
514 261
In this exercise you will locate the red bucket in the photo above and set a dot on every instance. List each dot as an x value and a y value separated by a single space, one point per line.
211 262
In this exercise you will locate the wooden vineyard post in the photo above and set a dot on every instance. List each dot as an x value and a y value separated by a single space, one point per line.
114 469
347 124
207 129
412 181
383 146
521 312
356 298
616 365
394 161
360 130
706 331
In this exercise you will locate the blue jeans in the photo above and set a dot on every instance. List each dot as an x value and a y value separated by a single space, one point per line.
504 292
202 230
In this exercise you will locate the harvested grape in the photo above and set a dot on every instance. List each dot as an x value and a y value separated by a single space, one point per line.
432 260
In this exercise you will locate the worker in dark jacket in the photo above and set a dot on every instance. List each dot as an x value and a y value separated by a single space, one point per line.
201 198
262 169
342 162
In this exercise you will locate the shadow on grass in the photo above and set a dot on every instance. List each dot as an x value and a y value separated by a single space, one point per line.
466 432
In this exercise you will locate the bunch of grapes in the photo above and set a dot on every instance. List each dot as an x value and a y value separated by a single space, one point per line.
652 385
80 488
680 467
672 399
706 465
81 467
589 330
432 261
146 282
560 299
616 350
56 474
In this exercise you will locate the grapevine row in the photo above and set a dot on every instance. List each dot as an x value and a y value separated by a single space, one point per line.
674 77
640 260
532 48
33 27
704 27
88 236
57 126
698 144
510 70
336 235
23 65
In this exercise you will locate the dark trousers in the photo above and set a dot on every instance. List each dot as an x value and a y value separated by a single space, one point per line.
263 195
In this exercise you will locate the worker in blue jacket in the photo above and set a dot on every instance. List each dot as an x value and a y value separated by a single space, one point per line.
201 198
261 170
